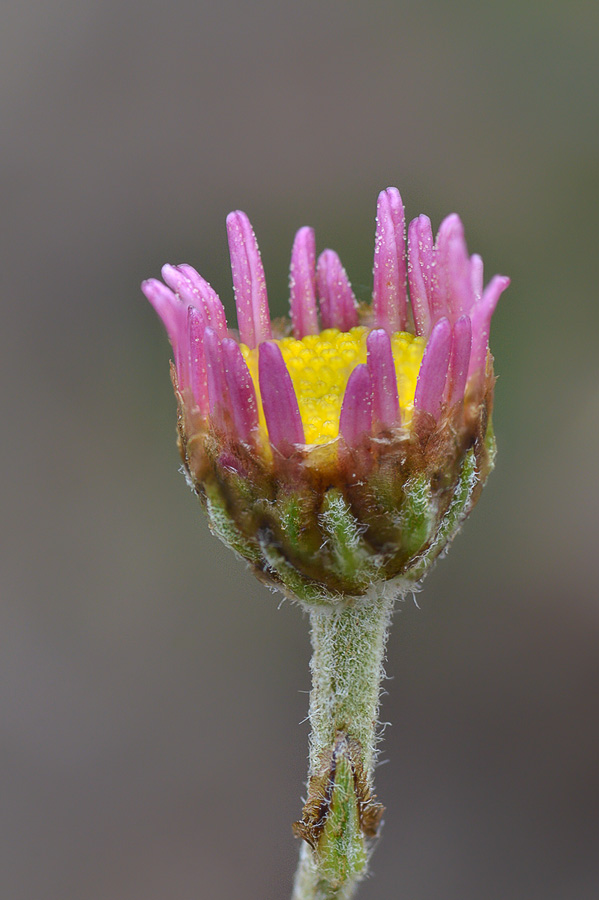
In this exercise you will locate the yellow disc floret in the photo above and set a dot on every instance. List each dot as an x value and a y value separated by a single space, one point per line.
320 365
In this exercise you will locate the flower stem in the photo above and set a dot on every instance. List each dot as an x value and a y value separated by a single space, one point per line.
341 814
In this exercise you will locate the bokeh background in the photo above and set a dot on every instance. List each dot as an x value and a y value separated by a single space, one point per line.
151 693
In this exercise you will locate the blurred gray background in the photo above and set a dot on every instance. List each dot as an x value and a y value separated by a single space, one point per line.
151 693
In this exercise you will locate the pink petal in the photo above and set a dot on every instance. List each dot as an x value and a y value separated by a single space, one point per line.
458 269
195 290
279 402
385 402
461 343
217 386
439 305
174 318
481 324
452 293
433 370
168 306
420 261
389 298
242 394
476 268
249 282
338 308
198 376
302 284
355 420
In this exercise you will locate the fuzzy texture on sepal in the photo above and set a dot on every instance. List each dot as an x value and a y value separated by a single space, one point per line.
334 504
329 534
339 465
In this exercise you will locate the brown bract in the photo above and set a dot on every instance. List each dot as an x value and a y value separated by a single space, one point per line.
330 520
320 794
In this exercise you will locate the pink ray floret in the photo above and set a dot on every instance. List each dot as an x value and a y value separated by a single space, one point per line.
249 282
355 420
477 275
451 283
242 394
217 386
302 284
451 309
481 324
198 376
195 291
433 370
420 263
279 402
385 402
389 299
461 343
174 318
338 307
457 268
168 307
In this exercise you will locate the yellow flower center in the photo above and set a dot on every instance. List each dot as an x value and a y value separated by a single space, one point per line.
320 365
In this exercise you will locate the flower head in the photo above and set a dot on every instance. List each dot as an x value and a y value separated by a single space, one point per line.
341 448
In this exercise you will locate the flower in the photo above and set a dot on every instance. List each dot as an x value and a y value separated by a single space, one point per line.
337 452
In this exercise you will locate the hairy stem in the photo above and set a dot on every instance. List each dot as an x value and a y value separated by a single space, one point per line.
341 813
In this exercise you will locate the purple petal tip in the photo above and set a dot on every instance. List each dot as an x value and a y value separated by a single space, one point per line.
249 282
389 297
338 307
482 313
279 401
420 263
242 394
461 345
217 387
302 284
433 370
385 402
355 421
